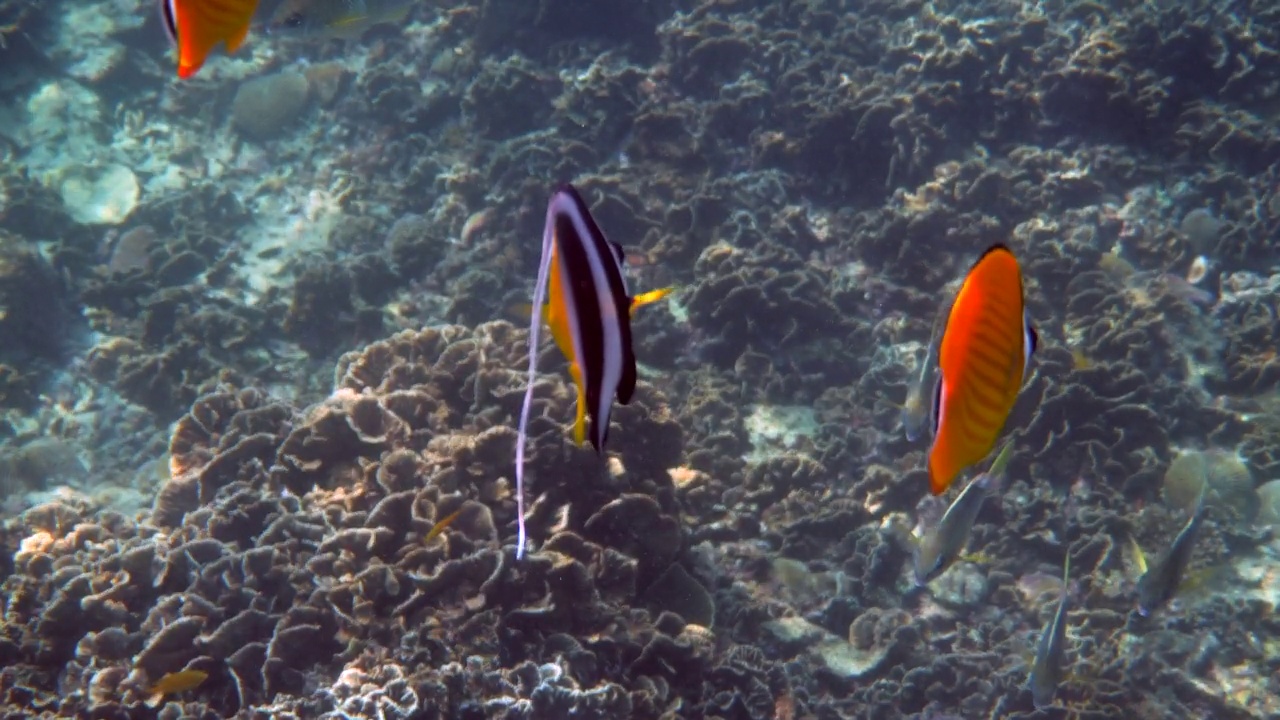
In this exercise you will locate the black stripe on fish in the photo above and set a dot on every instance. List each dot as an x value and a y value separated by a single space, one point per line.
599 308
169 18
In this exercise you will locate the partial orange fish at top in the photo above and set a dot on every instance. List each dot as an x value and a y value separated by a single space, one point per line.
983 357
196 26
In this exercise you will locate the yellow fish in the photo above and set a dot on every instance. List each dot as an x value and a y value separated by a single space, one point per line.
174 683
440 526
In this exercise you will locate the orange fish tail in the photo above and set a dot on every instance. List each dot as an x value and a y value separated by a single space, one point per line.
202 24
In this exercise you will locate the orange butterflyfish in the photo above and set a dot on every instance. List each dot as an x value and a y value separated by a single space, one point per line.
983 357
196 26
582 296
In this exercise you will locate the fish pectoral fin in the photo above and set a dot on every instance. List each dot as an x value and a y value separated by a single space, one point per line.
650 297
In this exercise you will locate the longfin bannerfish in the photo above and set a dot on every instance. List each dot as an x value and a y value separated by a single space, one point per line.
196 26
1047 669
983 358
582 292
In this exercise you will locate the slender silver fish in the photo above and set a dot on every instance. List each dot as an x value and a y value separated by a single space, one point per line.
1160 582
915 409
1047 671
940 547
335 18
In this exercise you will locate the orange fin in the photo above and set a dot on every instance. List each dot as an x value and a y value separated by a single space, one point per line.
237 38
197 33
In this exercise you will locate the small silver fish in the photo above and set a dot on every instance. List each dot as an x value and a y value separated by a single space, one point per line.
1159 583
335 18
1047 670
940 547
916 408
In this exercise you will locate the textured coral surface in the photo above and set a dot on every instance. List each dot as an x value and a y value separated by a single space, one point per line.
258 392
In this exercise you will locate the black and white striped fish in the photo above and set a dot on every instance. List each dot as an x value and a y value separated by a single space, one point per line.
582 295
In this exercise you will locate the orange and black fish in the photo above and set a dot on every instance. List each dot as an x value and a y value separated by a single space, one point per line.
983 358
587 307
196 26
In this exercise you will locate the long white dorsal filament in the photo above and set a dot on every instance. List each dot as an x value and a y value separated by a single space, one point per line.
535 331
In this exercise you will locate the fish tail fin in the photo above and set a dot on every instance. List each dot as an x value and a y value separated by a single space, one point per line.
942 466
650 297
234 42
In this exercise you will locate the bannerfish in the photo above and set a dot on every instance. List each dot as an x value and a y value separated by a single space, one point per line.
196 26
915 410
335 18
1161 581
174 683
940 547
582 293
1047 670
983 358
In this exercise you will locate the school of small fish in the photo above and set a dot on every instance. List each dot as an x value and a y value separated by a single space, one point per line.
978 357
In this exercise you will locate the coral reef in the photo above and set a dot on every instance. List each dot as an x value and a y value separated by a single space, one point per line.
812 178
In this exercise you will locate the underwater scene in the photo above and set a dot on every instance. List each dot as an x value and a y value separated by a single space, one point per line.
640 359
